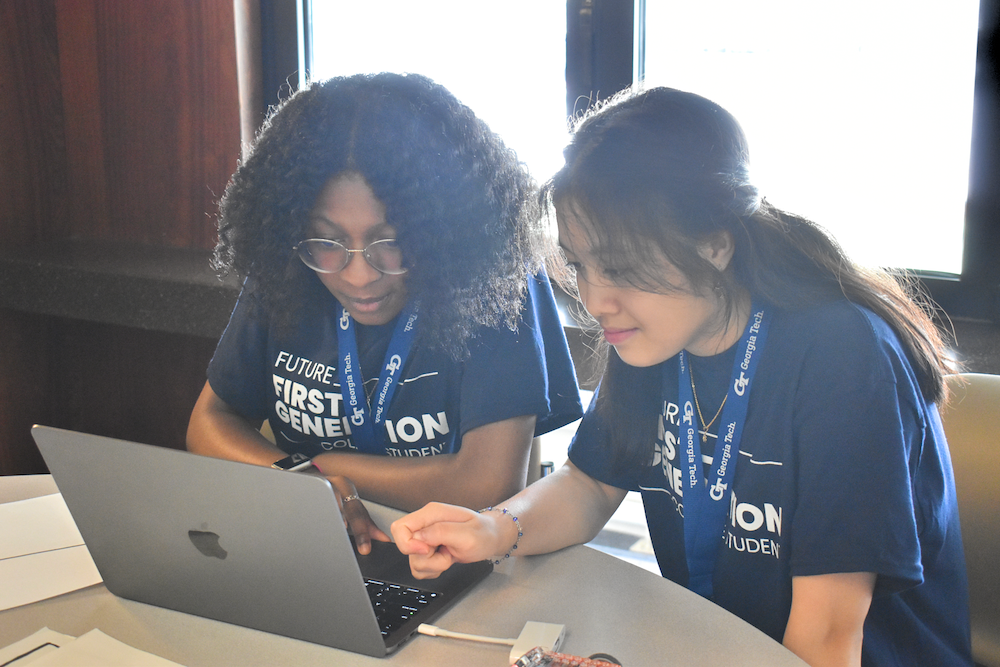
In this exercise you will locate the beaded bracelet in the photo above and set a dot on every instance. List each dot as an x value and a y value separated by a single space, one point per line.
517 524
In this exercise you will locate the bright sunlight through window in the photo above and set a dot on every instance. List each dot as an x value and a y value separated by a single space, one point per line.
858 113
507 62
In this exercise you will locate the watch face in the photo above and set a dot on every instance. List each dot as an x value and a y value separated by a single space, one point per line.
294 462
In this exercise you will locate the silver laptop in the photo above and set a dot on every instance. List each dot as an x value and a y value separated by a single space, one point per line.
248 545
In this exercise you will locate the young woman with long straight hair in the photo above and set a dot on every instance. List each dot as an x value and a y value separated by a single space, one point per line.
774 403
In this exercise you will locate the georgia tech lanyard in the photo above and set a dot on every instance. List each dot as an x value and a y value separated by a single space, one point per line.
362 417
705 505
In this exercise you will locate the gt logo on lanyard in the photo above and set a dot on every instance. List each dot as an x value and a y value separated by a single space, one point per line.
364 418
705 503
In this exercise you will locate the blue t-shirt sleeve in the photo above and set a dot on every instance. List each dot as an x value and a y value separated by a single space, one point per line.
527 372
237 372
860 426
592 451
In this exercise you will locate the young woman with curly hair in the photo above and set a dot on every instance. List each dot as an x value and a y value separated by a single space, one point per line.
395 327
774 403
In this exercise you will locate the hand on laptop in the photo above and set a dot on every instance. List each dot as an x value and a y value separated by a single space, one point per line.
356 517
438 535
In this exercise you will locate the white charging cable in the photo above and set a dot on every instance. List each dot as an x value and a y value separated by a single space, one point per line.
547 635
434 631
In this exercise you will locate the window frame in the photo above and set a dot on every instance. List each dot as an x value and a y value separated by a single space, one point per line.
286 48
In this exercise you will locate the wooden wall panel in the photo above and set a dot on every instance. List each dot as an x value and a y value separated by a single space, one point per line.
119 120
124 382
97 378
89 216
24 385
32 189
152 108
33 164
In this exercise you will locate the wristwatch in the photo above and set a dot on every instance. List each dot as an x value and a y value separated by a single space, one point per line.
292 463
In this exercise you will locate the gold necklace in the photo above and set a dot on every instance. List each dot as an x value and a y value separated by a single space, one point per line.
704 426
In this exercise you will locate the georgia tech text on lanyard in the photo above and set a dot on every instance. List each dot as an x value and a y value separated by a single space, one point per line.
363 416
705 505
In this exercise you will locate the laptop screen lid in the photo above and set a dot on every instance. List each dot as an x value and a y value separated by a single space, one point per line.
244 544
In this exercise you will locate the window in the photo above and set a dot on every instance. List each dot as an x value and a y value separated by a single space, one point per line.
974 291
858 113
608 41
506 61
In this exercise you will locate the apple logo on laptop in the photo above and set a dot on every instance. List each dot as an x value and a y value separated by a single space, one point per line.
207 543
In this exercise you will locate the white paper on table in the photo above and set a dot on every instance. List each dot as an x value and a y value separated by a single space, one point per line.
47 648
36 524
41 552
96 649
31 648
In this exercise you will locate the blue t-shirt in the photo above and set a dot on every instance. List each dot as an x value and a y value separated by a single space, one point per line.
292 380
843 467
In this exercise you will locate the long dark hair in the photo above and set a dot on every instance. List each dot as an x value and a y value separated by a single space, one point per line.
656 174
464 209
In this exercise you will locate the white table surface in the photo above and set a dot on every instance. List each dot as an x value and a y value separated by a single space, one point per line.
606 604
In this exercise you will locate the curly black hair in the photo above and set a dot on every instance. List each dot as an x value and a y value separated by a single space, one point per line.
463 207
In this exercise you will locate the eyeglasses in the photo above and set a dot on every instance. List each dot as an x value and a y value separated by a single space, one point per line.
326 256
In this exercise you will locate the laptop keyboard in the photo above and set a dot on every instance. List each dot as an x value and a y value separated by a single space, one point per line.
395 604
